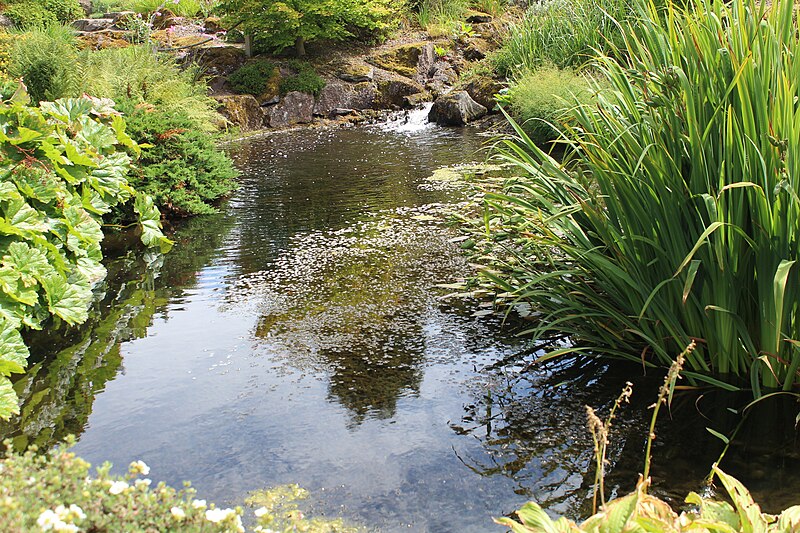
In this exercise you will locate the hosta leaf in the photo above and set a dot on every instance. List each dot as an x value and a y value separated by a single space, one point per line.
789 520
618 513
9 404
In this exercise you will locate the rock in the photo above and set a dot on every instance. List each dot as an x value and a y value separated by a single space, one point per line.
402 59
272 91
355 72
295 108
490 31
86 5
393 89
92 24
337 95
443 72
477 49
425 63
242 110
120 16
342 112
213 25
5 22
218 60
100 40
483 90
165 19
416 99
455 109
476 17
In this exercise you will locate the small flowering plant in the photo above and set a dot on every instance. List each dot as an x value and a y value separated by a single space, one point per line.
57 492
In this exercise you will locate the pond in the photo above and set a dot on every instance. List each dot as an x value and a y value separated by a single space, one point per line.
300 336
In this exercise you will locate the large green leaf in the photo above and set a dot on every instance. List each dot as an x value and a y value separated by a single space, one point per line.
9 404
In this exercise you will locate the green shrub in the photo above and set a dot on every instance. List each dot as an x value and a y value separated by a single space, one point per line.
47 59
564 33
306 80
252 78
540 99
42 13
441 13
183 170
675 215
182 8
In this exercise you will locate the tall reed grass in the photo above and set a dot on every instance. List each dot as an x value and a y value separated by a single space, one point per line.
675 215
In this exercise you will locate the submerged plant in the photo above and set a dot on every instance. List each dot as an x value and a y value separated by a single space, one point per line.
675 215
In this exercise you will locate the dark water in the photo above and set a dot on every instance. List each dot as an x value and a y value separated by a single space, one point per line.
299 337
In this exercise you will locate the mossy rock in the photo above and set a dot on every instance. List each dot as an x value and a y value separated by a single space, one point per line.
103 39
354 71
402 58
272 89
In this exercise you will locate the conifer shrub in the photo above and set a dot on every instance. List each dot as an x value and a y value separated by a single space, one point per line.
252 78
183 170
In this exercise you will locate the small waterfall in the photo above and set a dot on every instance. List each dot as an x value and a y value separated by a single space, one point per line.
410 120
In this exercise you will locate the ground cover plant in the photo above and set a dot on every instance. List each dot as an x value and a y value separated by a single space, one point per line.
64 165
675 213
40 13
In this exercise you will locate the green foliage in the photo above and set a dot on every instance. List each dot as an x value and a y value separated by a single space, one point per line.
42 13
46 58
182 8
252 78
441 13
564 33
69 497
63 167
540 99
306 80
675 214
280 25
135 73
641 512
182 169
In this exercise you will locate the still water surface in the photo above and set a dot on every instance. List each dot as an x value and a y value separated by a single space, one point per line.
300 337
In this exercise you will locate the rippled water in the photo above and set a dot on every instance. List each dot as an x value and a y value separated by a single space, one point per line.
299 337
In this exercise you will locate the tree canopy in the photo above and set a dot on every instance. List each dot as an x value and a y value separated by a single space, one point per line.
280 25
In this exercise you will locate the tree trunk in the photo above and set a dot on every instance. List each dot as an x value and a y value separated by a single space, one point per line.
300 46
248 46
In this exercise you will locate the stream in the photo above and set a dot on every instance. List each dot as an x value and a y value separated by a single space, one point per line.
300 336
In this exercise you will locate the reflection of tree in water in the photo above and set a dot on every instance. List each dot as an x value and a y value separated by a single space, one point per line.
369 379
353 303
58 389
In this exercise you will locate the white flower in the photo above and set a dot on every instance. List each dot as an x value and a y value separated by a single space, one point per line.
139 467
178 513
261 511
47 519
237 521
199 504
118 487
218 515
77 512
142 482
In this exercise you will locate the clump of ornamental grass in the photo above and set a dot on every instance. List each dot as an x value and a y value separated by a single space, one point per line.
675 214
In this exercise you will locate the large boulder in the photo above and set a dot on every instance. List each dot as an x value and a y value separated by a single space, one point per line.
402 59
337 96
218 60
294 108
100 40
483 89
92 24
242 110
393 90
120 17
478 17
477 49
455 109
